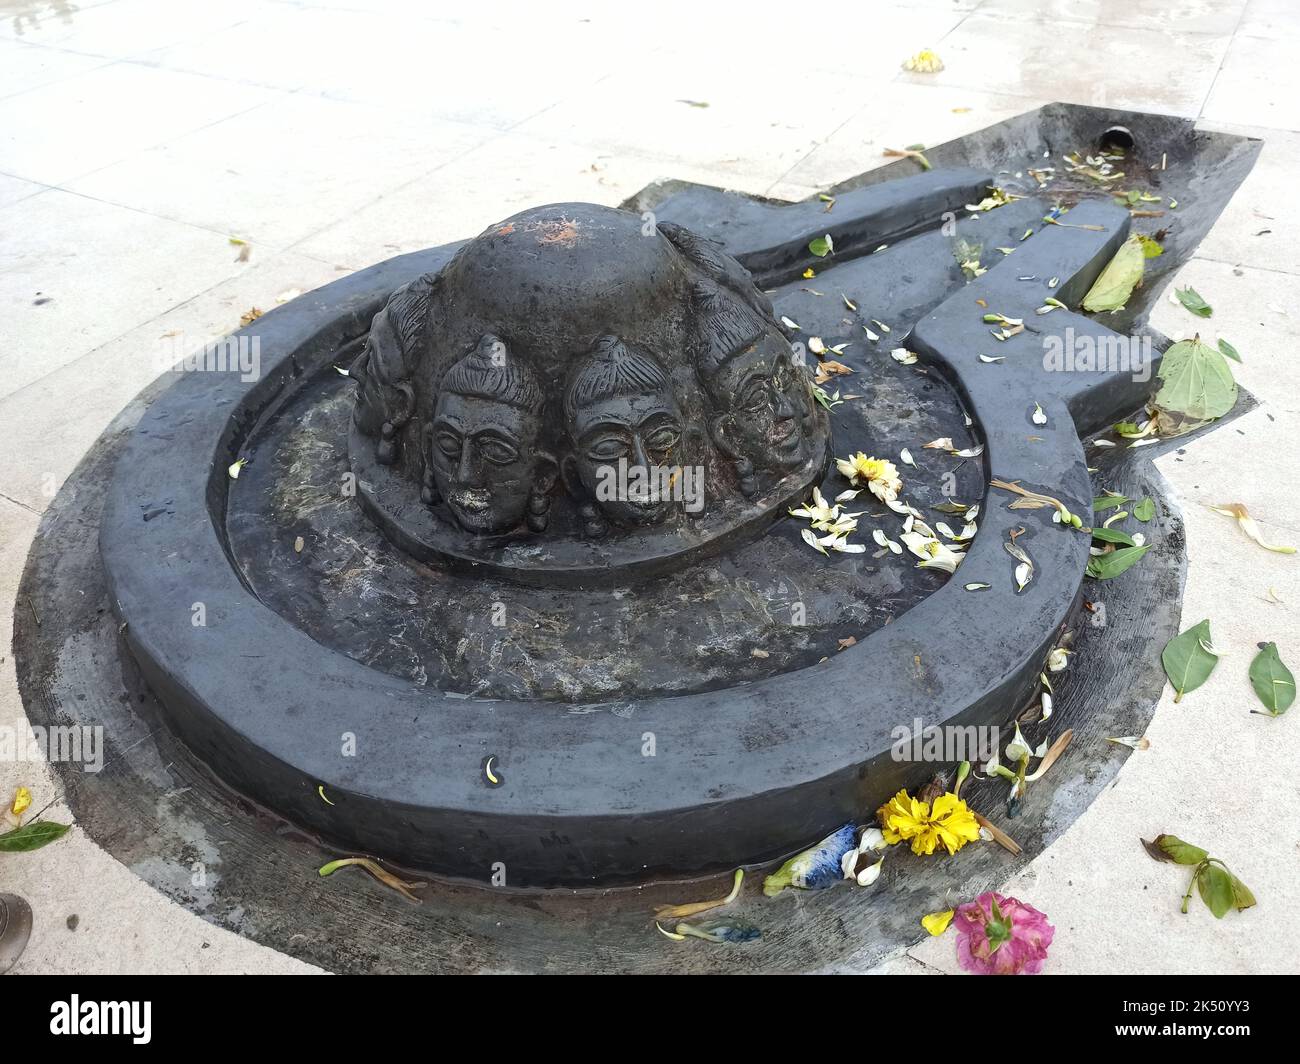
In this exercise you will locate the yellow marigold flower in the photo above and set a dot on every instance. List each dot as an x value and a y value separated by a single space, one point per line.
878 474
924 62
902 817
949 823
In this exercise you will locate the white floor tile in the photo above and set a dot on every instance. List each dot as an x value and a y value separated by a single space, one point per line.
1106 66
13 189
480 75
491 183
279 172
46 426
75 273
899 116
1179 16
28 66
1258 227
60 131
1259 84
126 27
1271 19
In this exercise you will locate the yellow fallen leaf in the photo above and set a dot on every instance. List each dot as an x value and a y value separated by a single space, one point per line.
679 912
382 874
937 923
22 799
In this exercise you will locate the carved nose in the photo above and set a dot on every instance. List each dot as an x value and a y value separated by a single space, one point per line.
467 468
639 456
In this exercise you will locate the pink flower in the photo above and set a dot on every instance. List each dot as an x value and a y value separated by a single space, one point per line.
1001 936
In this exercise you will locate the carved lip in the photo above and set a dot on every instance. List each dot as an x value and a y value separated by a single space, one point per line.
473 500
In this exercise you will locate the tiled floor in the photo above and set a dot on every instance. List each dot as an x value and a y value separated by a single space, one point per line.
138 136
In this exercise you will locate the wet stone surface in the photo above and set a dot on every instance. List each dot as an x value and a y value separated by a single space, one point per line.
763 608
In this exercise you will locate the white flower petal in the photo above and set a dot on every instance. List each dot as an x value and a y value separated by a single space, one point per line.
870 874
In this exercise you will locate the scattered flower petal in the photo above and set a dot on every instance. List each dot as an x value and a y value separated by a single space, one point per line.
1248 525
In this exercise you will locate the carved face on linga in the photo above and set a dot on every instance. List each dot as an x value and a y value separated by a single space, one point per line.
764 405
482 442
626 430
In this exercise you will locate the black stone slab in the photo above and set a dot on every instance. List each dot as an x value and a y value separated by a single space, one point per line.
158 810
739 774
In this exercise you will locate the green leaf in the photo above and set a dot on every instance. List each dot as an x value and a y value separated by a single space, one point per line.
1229 350
1113 535
821 246
1187 663
1106 502
1215 885
1122 274
1150 248
1242 898
1192 300
1272 680
1145 510
1195 382
1174 849
32 836
1105 566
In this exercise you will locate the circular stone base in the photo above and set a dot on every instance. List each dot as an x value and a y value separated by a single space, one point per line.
763 608
689 753
155 808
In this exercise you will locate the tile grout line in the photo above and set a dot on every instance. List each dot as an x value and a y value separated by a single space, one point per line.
18 502
499 134
164 143
147 214
1086 23
1232 39
116 60
891 81
1241 265
148 321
